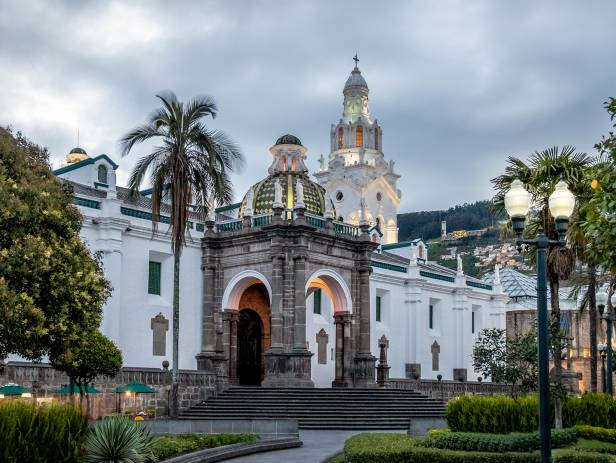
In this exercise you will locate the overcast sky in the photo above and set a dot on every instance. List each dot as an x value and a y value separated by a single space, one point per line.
456 85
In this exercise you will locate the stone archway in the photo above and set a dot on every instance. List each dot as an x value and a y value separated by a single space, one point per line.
254 299
246 302
328 329
249 348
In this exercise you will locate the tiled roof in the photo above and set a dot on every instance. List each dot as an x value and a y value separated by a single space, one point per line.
83 190
518 285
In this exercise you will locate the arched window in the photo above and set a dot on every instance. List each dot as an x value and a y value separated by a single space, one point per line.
421 251
376 138
102 174
340 138
359 136
293 164
284 164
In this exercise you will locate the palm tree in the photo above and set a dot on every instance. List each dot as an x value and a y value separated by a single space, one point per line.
540 175
190 164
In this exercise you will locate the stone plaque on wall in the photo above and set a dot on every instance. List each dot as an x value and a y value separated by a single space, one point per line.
322 340
160 326
435 350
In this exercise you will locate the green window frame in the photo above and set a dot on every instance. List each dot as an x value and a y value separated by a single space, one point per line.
316 299
431 317
154 275
378 308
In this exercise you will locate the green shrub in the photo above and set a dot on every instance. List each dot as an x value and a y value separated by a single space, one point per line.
117 439
590 409
596 433
167 446
48 433
497 414
516 442
502 414
398 448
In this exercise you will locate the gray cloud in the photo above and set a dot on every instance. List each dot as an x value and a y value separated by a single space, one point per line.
456 85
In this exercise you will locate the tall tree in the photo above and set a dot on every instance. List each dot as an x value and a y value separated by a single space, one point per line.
600 224
52 288
540 174
191 164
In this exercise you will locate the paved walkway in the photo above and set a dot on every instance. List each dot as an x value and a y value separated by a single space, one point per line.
318 445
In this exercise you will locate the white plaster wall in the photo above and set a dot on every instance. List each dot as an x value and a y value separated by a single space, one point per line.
127 314
405 323
322 375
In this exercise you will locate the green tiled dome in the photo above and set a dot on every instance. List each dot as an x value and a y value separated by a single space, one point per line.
314 195
289 139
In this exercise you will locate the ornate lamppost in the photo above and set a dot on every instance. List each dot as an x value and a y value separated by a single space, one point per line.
609 318
602 352
561 203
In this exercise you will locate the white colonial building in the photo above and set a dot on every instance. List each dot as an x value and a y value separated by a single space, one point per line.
333 242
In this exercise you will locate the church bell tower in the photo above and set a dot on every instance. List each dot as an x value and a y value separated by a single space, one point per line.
355 174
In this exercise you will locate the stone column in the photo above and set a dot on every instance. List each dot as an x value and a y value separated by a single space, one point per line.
231 318
383 369
276 308
365 362
299 337
208 328
341 321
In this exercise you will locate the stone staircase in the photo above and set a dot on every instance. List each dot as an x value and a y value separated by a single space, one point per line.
316 408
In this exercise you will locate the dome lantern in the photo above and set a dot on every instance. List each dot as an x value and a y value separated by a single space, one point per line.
289 170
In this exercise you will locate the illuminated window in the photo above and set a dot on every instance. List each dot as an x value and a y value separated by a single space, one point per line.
340 138
293 164
359 137
284 164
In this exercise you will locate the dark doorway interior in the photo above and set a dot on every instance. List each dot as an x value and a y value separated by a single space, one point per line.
249 341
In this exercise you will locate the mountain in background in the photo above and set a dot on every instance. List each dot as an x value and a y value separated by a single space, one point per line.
427 224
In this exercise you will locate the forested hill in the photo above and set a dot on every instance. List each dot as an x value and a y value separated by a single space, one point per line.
427 224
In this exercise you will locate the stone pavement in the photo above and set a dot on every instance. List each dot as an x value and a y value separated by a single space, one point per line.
318 445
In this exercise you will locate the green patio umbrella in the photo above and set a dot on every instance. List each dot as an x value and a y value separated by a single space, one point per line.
134 388
67 390
14 389
137 388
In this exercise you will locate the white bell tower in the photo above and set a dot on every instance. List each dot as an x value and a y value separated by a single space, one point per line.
356 171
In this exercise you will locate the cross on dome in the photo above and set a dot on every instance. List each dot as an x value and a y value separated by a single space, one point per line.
356 59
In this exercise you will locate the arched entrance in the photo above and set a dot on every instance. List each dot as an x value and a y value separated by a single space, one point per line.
249 348
328 307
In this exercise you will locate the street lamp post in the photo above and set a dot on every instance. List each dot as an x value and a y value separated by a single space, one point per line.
561 203
602 348
609 318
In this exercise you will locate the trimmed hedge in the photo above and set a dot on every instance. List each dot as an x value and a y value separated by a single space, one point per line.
496 414
590 409
47 433
596 433
516 442
502 414
167 446
398 448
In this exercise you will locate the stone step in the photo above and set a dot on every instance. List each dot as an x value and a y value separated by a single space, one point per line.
321 408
